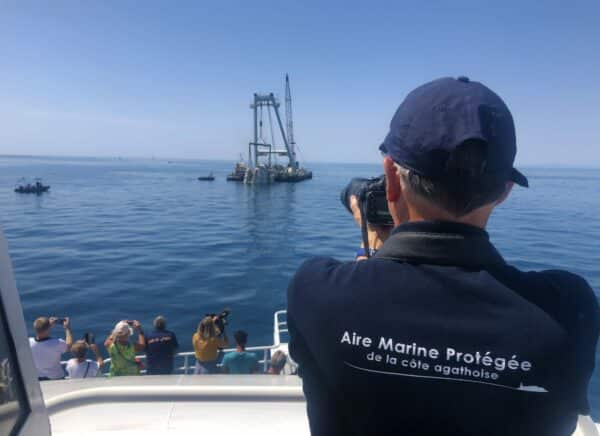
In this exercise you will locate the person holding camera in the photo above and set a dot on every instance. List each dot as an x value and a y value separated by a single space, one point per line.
79 366
435 333
207 341
122 352
47 350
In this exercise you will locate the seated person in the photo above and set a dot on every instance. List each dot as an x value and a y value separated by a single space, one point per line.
79 366
161 346
122 351
278 360
207 342
46 350
240 361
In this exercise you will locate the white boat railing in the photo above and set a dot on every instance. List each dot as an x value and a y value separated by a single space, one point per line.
279 326
189 357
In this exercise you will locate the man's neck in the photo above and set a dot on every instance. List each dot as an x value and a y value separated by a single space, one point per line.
240 349
477 218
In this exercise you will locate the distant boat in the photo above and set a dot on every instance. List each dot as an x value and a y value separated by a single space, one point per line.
208 178
238 173
36 188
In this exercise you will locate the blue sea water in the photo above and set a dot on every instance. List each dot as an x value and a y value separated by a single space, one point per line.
130 239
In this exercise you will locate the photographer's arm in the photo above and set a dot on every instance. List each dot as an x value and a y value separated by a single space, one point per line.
224 341
376 236
99 359
140 345
109 341
68 336
322 407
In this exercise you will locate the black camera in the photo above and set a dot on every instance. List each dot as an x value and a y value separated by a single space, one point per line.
220 319
372 200
59 321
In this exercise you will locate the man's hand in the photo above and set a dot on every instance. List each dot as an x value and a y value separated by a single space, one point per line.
376 235
140 345
96 351
68 336
109 341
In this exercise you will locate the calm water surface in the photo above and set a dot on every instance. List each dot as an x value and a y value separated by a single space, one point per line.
124 239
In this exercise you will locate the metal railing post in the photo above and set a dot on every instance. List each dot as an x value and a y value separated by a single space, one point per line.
185 364
265 367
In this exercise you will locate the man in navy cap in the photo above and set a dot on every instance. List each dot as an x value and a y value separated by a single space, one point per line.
436 334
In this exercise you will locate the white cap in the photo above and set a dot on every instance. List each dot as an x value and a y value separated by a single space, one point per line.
122 329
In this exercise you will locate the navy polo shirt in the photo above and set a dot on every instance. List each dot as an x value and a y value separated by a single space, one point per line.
161 346
438 335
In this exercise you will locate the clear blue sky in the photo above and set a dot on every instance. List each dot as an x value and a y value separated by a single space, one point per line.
174 79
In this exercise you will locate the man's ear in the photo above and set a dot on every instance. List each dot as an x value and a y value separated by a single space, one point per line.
507 188
392 186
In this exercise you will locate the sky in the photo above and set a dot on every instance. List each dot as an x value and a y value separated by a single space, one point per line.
175 79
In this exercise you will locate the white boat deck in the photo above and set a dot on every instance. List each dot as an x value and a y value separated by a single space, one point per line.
178 404
183 405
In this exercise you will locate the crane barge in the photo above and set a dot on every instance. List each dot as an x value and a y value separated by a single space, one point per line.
263 166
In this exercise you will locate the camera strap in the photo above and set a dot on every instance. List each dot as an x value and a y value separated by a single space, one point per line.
364 231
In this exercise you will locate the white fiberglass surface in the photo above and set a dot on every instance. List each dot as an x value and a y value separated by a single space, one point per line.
132 415
183 418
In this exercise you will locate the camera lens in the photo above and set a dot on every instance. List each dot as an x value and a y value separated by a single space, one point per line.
357 187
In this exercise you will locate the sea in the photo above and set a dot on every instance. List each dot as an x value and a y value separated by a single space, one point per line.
121 239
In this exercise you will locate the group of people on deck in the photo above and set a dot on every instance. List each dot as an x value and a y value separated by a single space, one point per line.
160 347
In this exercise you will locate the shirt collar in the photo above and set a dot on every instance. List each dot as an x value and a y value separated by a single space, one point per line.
440 243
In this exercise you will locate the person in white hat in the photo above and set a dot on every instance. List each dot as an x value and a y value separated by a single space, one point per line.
122 351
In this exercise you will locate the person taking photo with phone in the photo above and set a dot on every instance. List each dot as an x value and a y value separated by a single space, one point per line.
122 351
47 350
79 366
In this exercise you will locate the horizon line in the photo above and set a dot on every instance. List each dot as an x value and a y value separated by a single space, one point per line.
197 159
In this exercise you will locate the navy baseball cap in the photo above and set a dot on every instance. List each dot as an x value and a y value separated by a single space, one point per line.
439 116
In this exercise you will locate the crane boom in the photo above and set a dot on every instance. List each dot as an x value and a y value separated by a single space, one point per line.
288 116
